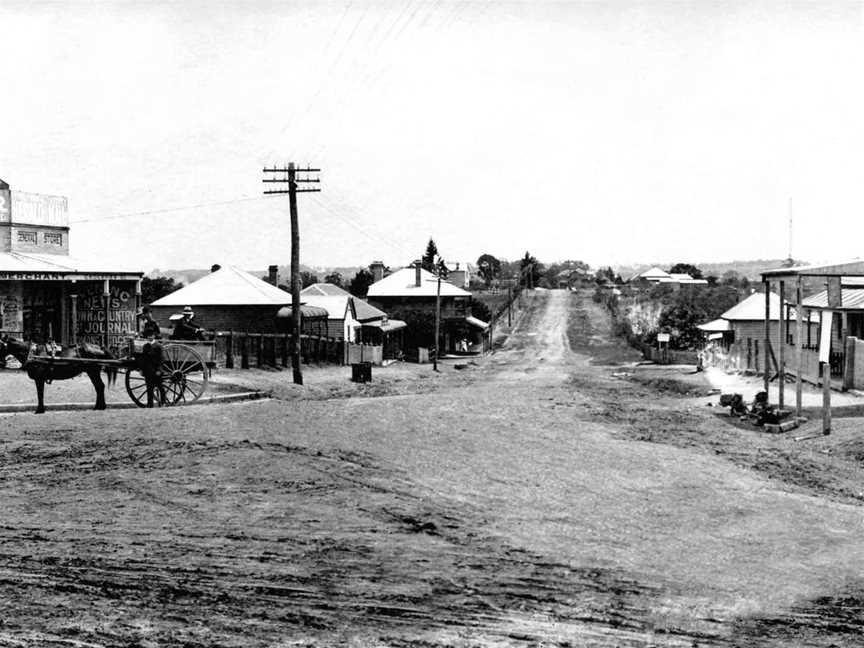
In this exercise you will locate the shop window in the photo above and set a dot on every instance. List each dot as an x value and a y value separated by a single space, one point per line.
26 237
53 238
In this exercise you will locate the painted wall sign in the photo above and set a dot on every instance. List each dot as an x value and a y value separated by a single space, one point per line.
100 315
39 209
5 206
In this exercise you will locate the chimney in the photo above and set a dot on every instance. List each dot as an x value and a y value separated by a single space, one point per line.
417 279
273 275
377 270
215 267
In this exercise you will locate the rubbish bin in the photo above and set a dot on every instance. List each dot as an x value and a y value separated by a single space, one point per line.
361 372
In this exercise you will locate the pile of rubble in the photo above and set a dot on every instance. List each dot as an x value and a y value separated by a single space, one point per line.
760 413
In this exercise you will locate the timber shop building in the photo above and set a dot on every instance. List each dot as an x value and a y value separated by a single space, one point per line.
46 294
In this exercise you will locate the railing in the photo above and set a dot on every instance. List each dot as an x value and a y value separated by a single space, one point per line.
242 350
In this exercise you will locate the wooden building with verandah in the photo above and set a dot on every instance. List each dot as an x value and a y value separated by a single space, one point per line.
833 329
47 294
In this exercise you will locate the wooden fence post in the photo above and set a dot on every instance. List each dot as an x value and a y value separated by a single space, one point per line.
244 351
229 350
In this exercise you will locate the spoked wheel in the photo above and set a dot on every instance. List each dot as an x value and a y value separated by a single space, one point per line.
136 387
184 375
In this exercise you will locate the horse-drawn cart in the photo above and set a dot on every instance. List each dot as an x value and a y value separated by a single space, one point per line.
175 373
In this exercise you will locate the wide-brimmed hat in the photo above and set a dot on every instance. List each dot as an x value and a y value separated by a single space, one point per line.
187 310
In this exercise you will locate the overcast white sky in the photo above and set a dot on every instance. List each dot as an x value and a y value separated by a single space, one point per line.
609 132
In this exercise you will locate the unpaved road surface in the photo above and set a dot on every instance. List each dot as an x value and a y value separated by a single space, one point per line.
534 499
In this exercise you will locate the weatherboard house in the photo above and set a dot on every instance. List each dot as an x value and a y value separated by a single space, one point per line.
415 289
230 299
47 294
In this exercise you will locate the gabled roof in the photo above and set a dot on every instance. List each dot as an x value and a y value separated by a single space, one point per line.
650 273
402 284
323 289
366 312
228 286
337 306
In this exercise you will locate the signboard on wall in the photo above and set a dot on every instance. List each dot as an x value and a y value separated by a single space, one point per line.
100 315
39 209
5 206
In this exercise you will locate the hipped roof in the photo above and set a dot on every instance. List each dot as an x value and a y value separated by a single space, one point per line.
402 283
753 308
228 286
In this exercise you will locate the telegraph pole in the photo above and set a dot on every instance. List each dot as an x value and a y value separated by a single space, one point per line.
289 177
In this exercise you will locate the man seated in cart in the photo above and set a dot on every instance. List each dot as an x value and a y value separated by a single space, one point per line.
185 328
149 327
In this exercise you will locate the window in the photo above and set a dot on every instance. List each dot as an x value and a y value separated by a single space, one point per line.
53 238
26 237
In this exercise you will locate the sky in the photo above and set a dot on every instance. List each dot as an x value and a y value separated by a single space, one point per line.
613 132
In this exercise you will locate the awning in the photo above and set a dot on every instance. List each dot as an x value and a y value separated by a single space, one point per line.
306 312
717 325
473 321
386 326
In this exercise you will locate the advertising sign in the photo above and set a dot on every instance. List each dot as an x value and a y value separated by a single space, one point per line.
113 314
5 206
39 209
662 337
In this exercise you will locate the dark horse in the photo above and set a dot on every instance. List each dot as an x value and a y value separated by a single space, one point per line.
45 371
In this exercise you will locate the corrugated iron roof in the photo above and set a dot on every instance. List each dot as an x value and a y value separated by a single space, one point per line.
323 289
753 308
716 325
851 299
228 286
402 283
57 263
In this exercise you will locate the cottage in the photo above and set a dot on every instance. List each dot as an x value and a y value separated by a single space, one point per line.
411 295
230 299
47 294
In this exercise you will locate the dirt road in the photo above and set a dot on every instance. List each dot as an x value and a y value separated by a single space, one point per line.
536 499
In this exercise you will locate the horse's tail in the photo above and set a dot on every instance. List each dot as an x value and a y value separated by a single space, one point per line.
111 375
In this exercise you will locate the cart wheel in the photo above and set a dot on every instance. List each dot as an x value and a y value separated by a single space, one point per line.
136 387
184 374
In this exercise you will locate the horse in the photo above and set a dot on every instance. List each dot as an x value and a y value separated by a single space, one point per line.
45 371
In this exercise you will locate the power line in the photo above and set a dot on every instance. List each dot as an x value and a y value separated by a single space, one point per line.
167 210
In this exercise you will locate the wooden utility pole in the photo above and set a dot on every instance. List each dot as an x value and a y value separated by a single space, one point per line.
289 176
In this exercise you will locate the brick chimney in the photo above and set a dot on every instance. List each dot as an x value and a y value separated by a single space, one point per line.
377 270
273 275
417 267
215 267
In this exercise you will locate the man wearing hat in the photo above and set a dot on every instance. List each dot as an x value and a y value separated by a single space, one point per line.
185 328
149 327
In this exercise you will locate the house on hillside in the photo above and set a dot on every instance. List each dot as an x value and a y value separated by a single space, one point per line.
655 276
410 295
230 299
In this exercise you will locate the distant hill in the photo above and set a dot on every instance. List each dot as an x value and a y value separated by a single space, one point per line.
750 269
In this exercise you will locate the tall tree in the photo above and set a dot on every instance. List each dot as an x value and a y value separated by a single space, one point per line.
489 268
157 287
686 268
531 269
307 279
334 278
359 285
427 262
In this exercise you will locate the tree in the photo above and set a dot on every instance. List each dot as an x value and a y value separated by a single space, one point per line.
359 285
530 269
682 321
606 274
334 278
427 262
153 289
307 279
489 268
686 268
480 310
